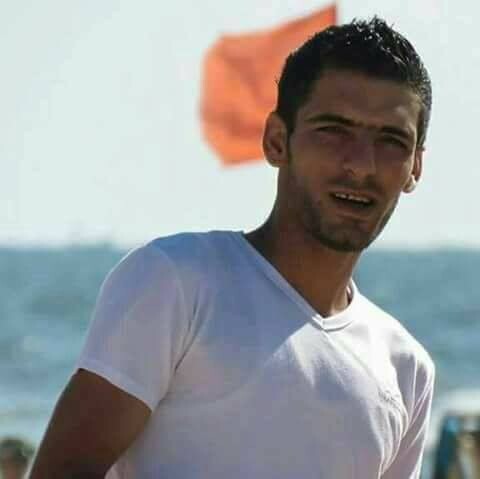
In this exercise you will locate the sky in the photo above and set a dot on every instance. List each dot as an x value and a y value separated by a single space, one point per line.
100 138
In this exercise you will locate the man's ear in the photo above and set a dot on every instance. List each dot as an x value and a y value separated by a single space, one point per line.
416 172
275 140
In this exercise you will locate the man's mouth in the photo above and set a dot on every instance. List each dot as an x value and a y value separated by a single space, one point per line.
352 199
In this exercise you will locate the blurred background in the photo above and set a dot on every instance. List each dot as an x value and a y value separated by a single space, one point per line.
101 150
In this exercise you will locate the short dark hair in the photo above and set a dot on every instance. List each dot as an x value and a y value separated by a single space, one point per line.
371 47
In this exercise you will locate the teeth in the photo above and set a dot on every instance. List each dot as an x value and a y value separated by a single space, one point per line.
360 199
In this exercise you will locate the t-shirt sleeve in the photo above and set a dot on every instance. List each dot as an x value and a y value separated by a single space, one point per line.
139 323
408 461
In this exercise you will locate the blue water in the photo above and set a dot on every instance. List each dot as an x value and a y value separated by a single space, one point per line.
47 295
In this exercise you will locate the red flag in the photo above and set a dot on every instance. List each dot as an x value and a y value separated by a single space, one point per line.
239 88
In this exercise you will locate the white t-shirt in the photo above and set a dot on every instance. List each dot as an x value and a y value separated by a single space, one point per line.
245 380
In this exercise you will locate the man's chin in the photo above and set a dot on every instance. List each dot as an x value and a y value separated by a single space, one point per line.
344 243
345 246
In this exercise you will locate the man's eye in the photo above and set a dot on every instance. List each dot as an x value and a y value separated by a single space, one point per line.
392 140
333 129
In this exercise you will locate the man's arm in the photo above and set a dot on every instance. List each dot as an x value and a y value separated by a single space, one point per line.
93 423
135 340
408 461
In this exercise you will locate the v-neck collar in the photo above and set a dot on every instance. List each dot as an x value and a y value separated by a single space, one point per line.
336 321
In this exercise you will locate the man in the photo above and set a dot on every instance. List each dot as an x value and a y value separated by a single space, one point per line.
15 455
254 355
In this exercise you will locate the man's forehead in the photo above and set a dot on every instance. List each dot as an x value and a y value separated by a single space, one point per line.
363 99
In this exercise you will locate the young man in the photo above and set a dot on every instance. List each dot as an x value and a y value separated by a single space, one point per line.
254 355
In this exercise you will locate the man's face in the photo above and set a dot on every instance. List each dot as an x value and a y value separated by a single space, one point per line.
351 154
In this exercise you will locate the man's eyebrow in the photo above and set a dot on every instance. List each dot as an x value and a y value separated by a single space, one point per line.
331 118
339 119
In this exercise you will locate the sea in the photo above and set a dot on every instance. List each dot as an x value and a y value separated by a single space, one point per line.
47 295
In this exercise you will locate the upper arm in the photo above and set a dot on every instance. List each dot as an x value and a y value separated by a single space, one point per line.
93 423
408 461
133 345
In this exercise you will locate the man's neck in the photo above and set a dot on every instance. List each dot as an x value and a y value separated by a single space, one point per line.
319 274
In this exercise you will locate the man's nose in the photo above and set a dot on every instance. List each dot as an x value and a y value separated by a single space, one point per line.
359 158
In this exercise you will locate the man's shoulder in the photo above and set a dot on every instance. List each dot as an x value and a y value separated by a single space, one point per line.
183 265
183 254
414 367
190 247
405 349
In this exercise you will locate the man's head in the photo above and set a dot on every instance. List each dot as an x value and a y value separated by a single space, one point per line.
348 132
15 456
372 48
